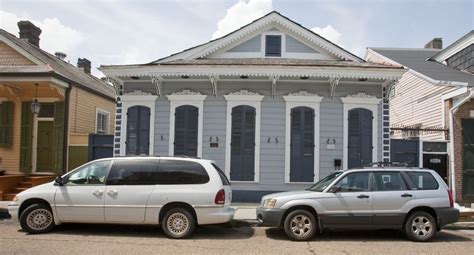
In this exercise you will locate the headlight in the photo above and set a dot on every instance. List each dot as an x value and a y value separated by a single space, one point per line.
269 203
15 199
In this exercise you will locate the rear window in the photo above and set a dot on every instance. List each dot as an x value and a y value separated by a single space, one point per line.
423 180
132 172
175 172
224 179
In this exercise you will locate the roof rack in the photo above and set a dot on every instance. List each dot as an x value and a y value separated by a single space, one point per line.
167 156
388 164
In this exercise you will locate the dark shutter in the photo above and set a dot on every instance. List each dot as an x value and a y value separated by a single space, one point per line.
58 138
302 145
6 124
242 163
138 131
273 46
360 137
26 137
186 130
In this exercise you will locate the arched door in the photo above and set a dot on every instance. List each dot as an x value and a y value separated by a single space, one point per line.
138 130
302 145
186 130
360 137
242 159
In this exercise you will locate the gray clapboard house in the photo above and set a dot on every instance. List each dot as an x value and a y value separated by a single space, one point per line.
275 105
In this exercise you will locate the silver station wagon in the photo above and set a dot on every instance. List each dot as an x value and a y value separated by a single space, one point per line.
178 193
417 201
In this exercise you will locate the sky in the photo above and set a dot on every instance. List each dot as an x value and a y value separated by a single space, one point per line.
140 31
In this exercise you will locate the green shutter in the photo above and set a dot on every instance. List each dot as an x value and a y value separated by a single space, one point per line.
6 124
26 137
58 138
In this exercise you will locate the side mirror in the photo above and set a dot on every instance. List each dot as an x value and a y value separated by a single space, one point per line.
58 181
334 189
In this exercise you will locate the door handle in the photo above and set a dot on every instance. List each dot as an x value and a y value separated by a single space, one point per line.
362 196
98 192
406 195
112 192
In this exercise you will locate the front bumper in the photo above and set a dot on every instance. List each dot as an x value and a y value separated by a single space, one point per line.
270 216
13 211
446 216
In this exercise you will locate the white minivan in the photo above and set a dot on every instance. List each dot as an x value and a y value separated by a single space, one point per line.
176 192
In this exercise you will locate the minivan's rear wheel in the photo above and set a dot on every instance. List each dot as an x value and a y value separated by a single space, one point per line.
300 225
178 223
420 226
36 219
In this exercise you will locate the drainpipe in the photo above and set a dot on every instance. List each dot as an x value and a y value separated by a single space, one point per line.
452 111
66 129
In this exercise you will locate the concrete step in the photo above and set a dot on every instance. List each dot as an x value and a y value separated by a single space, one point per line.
25 185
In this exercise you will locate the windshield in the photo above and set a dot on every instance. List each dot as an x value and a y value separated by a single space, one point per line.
323 183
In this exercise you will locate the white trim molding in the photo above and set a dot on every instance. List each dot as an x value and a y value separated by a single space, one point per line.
107 113
186 97
371 103
134 100
243 97
302 98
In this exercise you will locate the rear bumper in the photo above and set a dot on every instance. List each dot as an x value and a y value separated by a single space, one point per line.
214 215
270 216
446 216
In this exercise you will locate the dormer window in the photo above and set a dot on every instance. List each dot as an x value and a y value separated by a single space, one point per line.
273 46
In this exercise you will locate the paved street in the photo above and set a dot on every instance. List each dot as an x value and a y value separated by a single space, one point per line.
116 239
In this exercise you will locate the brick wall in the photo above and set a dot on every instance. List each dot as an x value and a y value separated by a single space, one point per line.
462 113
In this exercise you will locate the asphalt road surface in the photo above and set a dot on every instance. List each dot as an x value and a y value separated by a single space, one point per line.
120 239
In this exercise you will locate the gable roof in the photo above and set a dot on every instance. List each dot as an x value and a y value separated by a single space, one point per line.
273 17
419 61
50 64
454 47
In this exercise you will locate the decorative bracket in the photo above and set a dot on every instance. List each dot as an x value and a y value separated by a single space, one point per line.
158 83
213 79
334 82
117 84
15 91
389 84
274 79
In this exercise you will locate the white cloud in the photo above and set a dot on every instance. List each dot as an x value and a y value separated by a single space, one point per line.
55 36
328 32
242 13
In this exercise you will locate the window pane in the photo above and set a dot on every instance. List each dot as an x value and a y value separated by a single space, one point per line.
180 172
354 182
224 179
132 172
423 180
46 110
93 173
385 181
273 45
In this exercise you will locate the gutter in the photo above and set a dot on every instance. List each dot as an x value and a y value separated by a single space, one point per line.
452 111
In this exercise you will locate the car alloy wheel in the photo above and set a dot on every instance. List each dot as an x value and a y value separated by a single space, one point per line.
300 225
37 218
421 226
178 223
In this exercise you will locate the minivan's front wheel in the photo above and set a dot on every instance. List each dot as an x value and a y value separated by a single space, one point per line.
178 223
300 225
36 219
420 226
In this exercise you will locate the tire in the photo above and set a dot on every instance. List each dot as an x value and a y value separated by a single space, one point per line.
178 223
300 225
37 219
420 226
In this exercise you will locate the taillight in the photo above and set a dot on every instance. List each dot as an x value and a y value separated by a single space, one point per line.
220 197
451 202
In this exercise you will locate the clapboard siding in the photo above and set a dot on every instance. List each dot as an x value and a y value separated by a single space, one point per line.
418 101
293 45
272 153
252 45
82 111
